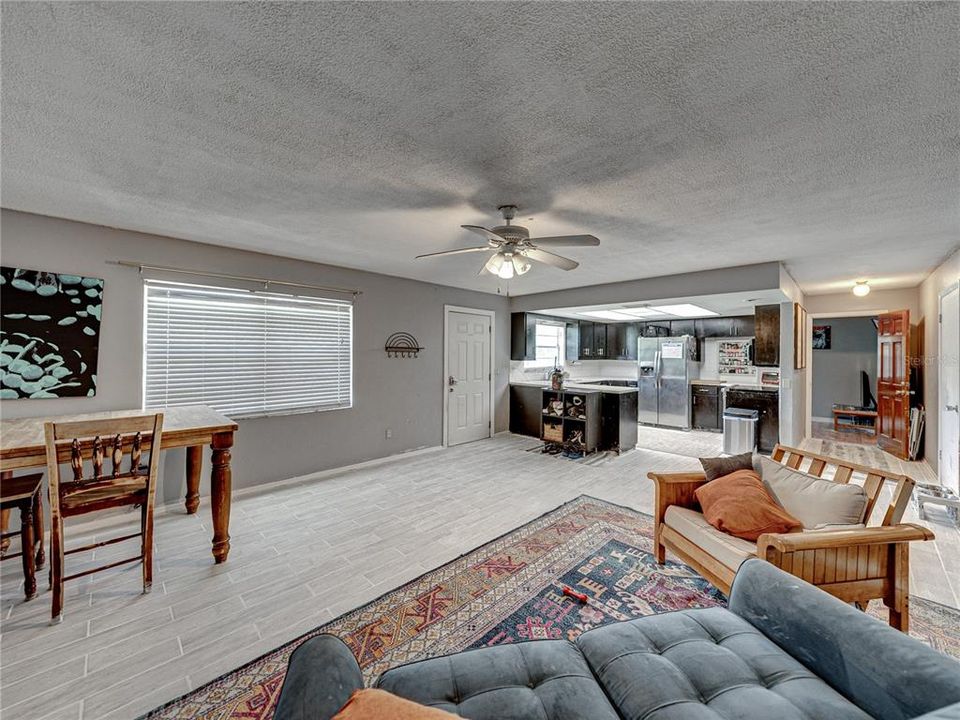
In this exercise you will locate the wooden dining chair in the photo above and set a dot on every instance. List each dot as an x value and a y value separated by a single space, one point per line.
91 443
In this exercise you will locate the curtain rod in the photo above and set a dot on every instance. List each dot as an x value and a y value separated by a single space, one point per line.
265 281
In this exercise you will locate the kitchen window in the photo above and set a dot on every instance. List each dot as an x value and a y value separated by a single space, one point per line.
550 346
246 353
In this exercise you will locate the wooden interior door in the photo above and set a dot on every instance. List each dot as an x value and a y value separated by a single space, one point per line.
893 382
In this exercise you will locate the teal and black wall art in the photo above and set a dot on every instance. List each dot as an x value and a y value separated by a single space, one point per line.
49 334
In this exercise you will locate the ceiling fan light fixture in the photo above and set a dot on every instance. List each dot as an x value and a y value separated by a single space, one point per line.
861 288
494 264
506 268
520 264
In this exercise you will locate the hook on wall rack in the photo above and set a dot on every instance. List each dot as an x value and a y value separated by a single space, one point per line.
402 344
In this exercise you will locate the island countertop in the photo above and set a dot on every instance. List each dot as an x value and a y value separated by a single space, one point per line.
545 384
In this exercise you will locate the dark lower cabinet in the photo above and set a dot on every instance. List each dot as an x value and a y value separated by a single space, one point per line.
525 410
617 427
767 405
705 409
618 421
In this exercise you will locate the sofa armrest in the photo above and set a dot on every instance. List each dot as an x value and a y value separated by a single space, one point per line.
321 677
794 542
861 658
675 489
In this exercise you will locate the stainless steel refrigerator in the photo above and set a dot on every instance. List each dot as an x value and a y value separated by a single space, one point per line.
667 365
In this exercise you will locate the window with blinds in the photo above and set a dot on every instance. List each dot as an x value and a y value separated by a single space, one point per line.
246 353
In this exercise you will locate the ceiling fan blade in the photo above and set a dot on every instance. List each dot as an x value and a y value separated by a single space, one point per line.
456 252
488 234
566 241
550 259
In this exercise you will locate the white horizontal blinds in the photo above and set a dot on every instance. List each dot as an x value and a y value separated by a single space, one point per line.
245 353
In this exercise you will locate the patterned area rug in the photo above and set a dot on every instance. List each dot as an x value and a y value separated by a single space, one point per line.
508 590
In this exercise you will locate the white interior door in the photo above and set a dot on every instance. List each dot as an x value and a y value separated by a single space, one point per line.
949 405
468 379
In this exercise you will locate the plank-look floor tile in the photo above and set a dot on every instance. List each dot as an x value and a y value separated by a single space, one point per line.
303 553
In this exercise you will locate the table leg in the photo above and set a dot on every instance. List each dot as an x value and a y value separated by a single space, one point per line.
220 481
26 544
5 515
41 558
194 464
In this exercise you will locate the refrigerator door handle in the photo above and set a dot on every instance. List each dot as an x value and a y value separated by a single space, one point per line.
657 367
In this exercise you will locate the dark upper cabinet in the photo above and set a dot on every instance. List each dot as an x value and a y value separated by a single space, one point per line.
683 327
600 340
586 340
766 346
622 341
713 327
742 326
523 336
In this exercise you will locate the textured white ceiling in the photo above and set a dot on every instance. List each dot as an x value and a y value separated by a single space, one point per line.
686 136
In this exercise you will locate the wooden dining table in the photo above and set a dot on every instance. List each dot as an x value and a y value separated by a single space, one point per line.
191 427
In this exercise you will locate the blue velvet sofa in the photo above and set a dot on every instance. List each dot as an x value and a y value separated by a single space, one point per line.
784 650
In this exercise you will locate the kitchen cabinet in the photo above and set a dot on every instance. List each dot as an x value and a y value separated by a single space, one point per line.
594 340
523 336
586 340
742 326
525 410
618 421
766 347
767 405
622 341
705 407
683 327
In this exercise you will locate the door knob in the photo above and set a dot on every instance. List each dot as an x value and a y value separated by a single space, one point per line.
451 380
954 408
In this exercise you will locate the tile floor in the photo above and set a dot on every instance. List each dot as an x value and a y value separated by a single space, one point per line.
302 554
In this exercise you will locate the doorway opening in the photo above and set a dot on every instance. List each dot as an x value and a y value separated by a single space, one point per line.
843 373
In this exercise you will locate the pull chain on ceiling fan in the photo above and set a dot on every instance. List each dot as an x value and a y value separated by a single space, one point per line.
513 248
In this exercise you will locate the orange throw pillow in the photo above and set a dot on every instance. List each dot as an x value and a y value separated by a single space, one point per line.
739 504
373 704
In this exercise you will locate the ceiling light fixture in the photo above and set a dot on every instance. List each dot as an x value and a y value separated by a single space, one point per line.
608 314
505 265
861 289
638 312
684 310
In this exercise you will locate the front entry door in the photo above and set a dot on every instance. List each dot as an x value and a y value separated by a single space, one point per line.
893 382
468 380
949 464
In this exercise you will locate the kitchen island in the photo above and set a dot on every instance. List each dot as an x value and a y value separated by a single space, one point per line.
618 410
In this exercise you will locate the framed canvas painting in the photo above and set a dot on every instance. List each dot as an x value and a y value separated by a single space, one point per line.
821 337
49 334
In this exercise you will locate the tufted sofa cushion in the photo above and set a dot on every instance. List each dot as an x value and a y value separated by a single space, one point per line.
706 665
539 680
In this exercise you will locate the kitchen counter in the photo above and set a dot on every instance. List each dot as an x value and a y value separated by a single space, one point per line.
586 387
736 386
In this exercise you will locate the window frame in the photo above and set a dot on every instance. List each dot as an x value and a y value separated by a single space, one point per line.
278 412
536 363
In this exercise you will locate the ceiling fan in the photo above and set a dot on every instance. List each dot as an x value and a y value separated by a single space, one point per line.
513 248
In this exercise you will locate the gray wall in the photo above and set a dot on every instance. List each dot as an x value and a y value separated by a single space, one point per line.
836 372
404 395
